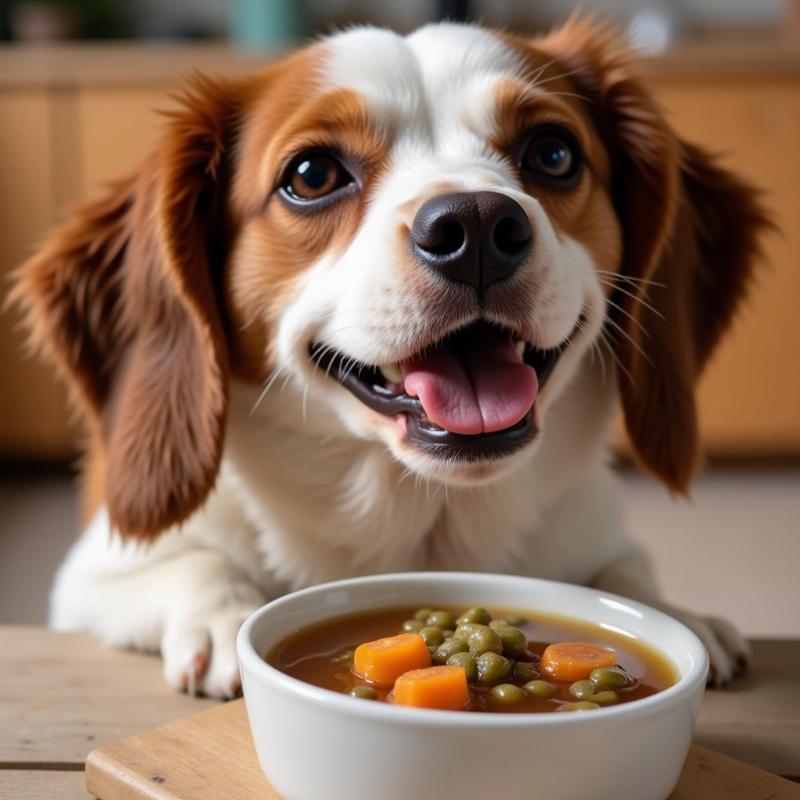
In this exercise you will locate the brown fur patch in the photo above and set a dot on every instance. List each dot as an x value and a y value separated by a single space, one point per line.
276 243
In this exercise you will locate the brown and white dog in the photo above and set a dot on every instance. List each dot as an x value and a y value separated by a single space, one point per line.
373 309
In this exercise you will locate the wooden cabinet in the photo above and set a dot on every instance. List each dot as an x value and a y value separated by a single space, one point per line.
72 118
32 405
750 394
57 146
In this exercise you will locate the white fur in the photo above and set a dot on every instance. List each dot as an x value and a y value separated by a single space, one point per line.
314 486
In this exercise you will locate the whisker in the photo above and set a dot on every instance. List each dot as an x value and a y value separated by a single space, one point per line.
615 357
534 75
406 472
633 296
596 349
341 330
569 94
629 338
628 279
558 77
320 353
268 386
629 316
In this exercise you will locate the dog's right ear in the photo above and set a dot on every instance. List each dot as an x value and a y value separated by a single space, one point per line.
124 300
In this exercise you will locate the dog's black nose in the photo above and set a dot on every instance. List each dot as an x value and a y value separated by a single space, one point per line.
472 237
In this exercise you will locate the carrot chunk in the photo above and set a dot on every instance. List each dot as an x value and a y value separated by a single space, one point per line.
574 661
383 661
435 687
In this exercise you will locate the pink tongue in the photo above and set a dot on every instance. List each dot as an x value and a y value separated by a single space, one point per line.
483 390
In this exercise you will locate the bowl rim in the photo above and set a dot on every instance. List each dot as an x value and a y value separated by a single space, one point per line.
251 661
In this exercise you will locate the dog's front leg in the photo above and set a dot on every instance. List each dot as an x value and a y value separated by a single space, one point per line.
177 596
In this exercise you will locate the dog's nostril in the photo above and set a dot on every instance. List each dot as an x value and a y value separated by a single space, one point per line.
511 236
445 238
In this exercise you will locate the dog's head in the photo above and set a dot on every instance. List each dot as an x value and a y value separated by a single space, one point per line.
426 234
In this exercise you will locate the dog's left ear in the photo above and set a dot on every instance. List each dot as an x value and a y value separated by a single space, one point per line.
690 236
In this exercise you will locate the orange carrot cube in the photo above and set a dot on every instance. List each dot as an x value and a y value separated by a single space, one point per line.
574 661
383 661
435 687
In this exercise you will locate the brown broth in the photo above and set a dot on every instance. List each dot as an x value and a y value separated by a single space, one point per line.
308 654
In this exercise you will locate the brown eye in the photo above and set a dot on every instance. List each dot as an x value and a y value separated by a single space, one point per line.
552 155
313 176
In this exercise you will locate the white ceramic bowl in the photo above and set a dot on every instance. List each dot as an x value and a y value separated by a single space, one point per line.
314 744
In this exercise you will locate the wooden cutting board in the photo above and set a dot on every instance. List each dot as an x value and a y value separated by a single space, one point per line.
210 756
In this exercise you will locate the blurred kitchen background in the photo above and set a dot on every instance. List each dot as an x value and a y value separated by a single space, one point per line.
80 82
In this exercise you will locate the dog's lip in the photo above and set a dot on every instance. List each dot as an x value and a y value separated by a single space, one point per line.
366 383
440 443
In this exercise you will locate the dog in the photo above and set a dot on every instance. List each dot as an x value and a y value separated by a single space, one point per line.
374 308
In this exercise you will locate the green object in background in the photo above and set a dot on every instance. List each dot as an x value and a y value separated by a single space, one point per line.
261 23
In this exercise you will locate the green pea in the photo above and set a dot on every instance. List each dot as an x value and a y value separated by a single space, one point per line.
582 689
498 624
583 705
441 619
467 662
364 692
492 668
432 648
431 635
423 614
525 671
465 629
475 614
515 619
506 694
541 689
344 658
606 678
513 641
605 698
413 626
447 635
484 640
449 648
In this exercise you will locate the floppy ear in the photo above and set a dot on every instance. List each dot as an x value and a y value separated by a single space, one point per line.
124 299
690 239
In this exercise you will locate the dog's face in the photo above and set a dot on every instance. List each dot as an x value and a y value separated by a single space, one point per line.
437 210
425 234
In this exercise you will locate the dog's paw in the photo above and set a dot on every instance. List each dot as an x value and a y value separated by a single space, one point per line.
728 652
200 653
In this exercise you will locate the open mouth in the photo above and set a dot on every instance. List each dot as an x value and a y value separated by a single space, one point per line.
470 395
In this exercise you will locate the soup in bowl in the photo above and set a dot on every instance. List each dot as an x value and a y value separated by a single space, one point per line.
364 689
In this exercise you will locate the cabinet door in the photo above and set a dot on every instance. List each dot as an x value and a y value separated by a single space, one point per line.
33 415
57 148
118 125
750 395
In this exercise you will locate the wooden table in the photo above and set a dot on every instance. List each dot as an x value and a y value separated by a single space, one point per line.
62 695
